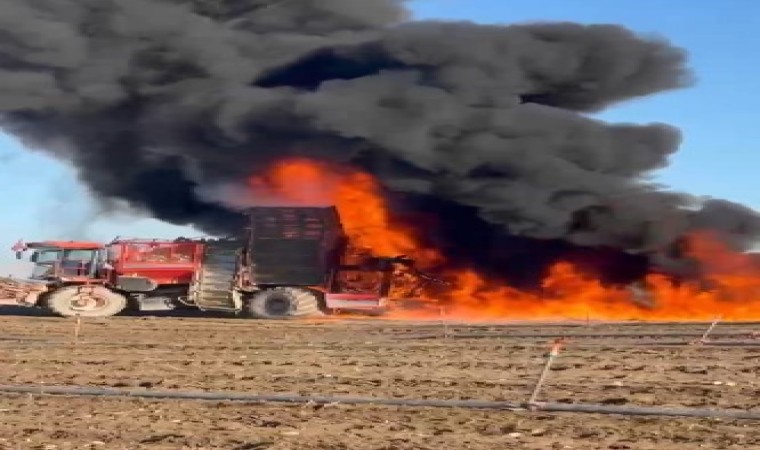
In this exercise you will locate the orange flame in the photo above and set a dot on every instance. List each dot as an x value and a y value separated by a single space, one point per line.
357 197
568 293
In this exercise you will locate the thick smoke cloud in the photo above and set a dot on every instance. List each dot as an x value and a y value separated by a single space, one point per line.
156 101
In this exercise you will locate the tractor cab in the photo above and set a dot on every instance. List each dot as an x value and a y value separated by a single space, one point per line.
68 261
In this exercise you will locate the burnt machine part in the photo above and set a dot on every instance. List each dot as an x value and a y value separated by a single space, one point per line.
293 246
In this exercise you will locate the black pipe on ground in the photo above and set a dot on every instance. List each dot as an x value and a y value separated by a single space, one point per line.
22 339
567 335
297 399
753 343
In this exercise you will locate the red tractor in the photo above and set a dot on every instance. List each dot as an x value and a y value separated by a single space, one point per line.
289 263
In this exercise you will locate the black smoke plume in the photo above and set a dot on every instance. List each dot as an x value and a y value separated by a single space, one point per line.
483 127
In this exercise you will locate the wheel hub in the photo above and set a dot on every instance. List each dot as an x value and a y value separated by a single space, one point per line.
83 302
278 306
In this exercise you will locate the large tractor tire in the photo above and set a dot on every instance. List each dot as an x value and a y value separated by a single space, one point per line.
284 303
86 301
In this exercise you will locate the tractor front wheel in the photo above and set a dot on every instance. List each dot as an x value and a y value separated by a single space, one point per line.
284 303
86 301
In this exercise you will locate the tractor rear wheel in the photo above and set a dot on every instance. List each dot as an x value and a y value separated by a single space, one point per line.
284 303
86 301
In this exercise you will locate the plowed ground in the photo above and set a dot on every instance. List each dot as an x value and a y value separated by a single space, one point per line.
368 358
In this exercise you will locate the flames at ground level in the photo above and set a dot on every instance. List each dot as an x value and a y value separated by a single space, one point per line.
567 292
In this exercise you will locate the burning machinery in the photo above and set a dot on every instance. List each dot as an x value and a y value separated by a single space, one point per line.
291 262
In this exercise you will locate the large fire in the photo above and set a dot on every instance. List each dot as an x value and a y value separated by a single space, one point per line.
568 293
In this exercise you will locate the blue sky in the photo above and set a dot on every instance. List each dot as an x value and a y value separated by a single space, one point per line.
42 199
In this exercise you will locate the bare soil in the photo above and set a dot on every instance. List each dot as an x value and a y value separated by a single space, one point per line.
369 358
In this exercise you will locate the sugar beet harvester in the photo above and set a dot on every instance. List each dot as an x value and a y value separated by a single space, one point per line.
291 262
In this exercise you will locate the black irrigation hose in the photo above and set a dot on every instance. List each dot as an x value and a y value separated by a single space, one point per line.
623 345
297 399
17 344
753 343
565 335
23 339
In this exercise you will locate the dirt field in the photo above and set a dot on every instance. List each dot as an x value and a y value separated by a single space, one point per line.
368 358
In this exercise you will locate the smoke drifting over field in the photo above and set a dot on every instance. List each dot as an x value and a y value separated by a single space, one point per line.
158 102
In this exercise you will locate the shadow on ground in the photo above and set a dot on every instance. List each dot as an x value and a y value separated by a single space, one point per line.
19 311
